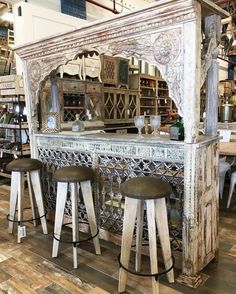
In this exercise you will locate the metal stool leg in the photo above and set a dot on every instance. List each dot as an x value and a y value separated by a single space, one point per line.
60 207
13 200
88 201
38 193
127 236
152 243
163 230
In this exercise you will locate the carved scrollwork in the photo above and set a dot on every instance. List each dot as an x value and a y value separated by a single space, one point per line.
174 78
164 51
210 44
35 74
38 71
207 51
141 48
167 47
168 55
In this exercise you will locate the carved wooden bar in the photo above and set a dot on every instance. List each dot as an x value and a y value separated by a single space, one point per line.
166 34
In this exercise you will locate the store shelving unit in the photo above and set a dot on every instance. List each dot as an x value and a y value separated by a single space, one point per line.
164 103
14 141
147 86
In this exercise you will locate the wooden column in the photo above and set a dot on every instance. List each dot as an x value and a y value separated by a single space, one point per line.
191 77
212 78
192 73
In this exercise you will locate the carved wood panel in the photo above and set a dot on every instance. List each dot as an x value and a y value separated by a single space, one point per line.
208 204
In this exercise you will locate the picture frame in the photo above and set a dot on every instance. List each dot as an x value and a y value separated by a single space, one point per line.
51 122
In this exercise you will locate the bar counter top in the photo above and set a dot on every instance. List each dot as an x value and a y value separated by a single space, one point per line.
95 142
99 135
128 138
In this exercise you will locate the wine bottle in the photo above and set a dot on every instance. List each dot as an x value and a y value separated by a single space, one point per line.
177 130
78 125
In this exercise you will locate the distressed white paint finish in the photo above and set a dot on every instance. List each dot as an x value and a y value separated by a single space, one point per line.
114 145
88 201
213 29
201 204
165 34
131 206
191 77
13 200
60 207
163 231
152 35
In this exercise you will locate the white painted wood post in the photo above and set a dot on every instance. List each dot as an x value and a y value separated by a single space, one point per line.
130 212
75 234
60 207
191 76
139 236
163 231
31 197
38 194
152 243
88 201
20 202
13 199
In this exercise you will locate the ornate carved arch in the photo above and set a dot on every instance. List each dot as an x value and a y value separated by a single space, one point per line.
162 49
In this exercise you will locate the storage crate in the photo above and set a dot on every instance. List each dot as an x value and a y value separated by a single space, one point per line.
11 85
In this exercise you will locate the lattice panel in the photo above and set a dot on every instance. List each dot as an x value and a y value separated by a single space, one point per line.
109 70
115 170
52 160
69 114
111 171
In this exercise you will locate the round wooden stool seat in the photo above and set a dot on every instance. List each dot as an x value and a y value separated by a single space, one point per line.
24 165
74 174
145 188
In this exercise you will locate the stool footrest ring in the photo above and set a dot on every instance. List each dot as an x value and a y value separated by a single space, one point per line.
75 242
26 220
147 275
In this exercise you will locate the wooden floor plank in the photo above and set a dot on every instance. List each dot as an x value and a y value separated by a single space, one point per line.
14 285
29 268
53 289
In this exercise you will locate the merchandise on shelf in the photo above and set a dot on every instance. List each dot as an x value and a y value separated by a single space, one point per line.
14 141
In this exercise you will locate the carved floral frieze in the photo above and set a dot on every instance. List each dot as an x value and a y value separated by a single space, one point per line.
167 46
160 49
160 151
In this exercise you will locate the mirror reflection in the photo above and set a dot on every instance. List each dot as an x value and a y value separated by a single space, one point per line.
107 92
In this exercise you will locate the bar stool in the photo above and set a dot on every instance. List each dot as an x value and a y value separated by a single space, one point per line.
77 177
32 168
224 167
231 188
152 192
